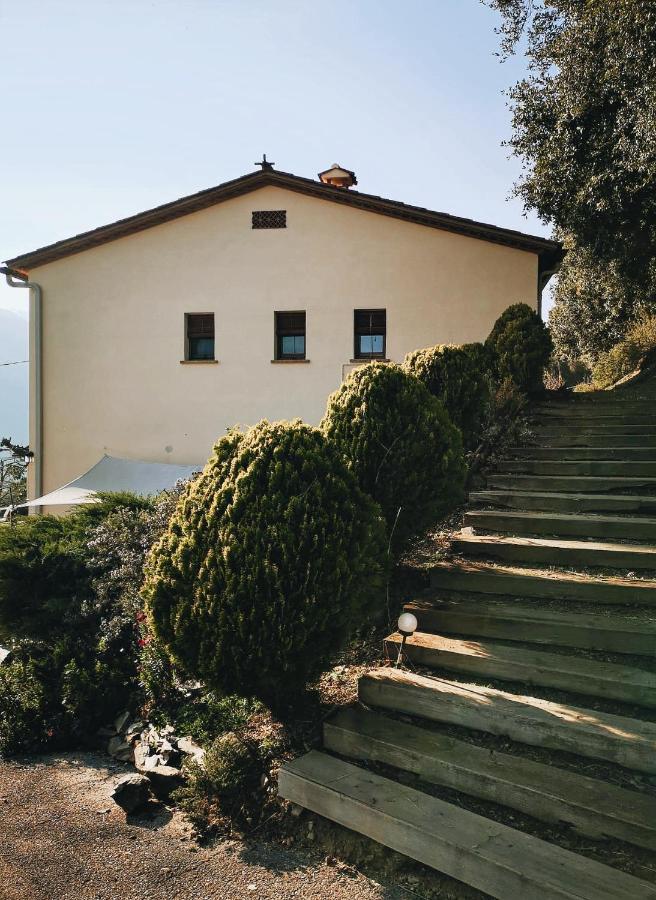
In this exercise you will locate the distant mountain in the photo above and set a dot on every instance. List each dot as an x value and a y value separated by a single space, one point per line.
13 379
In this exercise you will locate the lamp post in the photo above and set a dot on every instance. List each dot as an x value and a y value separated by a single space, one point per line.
407 625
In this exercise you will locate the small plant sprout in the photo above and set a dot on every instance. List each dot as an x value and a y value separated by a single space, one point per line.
407 626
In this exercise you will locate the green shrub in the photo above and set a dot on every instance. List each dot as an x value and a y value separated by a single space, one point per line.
234 786
24 715
271 560
401 444
460 378
522 346
67 612
625 357
505 427
47 569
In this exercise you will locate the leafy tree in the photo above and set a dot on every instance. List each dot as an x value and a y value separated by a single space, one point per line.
583 123
14 459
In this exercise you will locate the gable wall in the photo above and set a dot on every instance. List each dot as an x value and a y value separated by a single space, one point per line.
113 333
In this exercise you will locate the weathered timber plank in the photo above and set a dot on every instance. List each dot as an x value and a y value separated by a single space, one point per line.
551 437
617 468
637 408
560 502
537 624
557 552
577 453
492 660
615 422
627 742
513 582
565 524
589 484
593 808
498 860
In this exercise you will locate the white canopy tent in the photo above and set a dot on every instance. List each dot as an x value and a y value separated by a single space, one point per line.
114 474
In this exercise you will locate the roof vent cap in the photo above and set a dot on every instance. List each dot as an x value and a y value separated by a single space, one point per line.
338 177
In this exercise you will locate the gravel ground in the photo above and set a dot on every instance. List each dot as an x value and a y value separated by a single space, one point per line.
62 837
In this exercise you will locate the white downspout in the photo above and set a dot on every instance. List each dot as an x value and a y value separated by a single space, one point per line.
36 439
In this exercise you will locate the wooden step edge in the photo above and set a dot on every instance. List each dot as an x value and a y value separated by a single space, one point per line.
592 808
619 739
531 625
629 481
551 501
547 515
501 861
533 615
642 531
483 658
526 582
591 468
557 551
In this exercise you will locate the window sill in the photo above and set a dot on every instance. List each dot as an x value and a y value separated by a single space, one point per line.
368 359
199 362
286 362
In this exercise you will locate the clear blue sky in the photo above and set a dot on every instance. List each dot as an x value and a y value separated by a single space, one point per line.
110 108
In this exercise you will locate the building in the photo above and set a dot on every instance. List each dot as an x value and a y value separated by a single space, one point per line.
250 300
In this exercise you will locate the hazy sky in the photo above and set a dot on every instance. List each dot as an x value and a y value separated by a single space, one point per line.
110 108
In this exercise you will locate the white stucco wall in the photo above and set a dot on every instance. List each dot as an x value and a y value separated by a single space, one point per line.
113 320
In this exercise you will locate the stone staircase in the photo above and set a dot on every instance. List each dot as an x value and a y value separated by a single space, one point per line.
516 749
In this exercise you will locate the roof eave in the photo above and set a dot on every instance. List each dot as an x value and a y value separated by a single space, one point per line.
253 181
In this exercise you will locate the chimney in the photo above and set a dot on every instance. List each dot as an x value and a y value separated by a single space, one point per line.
338 177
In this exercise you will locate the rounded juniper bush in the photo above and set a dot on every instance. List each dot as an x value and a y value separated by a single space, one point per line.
273 558
401 444
460 377
522 345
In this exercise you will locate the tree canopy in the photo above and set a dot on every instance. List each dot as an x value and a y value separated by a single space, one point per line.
584 124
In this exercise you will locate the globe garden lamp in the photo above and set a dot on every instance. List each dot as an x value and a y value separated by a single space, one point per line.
407 625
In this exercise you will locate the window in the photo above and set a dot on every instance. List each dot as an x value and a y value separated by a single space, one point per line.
200 336
269 218
370 332
290 335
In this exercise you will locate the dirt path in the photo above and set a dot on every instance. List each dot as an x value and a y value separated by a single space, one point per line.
61 837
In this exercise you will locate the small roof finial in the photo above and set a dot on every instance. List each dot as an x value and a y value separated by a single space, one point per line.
265 163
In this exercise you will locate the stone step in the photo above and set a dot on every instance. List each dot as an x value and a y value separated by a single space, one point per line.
501 861
597 467
487 659
561 502
535 624
553 437
565 524
627 742
586 484
629 454
595 809
557 552
486 579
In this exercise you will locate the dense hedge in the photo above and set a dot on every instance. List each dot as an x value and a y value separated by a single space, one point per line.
460 377
626 356
73 652
401 444
522 346
271 560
